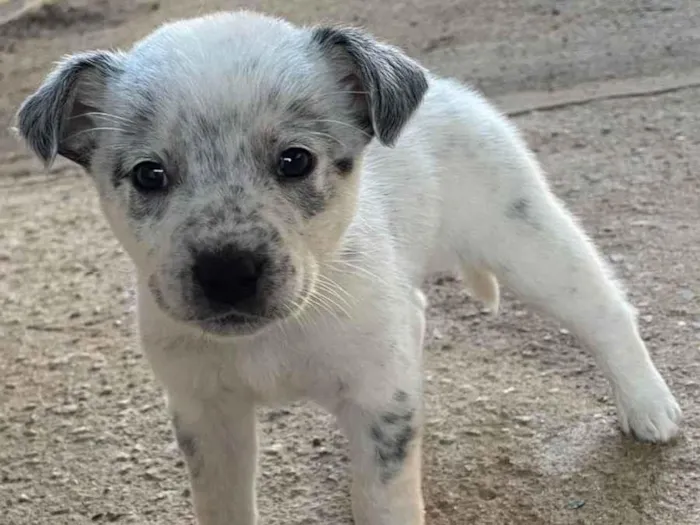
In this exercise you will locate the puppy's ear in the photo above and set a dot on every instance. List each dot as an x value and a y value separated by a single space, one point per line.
391 85
61 116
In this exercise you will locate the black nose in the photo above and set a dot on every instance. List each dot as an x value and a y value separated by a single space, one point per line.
228 276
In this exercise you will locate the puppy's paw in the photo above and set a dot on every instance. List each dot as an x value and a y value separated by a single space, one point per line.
649 412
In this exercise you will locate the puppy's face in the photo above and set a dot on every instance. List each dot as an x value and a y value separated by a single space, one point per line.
226 151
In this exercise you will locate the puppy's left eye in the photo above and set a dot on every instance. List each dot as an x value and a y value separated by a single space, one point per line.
149 177
296 163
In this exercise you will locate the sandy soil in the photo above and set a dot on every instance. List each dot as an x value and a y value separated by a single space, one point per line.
521 428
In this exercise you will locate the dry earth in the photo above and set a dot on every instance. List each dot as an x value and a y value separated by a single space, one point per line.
521 428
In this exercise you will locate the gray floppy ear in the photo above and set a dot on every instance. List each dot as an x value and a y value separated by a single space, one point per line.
59 117
394 84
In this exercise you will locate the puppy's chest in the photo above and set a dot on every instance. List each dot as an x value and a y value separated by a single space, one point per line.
277 372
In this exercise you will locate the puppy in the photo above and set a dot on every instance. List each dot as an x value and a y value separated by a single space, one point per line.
283 192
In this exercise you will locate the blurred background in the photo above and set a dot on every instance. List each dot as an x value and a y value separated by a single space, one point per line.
521 428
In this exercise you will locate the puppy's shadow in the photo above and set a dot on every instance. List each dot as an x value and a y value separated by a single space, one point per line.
581 474
598 475
631 480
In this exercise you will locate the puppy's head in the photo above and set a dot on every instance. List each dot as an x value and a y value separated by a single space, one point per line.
226 151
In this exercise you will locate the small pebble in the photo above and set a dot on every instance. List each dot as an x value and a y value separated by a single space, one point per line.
152 475
274 450
66 410
687 295
446 440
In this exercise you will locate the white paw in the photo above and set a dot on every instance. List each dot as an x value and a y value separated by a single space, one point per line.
649 412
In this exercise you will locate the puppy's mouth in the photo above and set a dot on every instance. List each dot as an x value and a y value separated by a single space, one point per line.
232 322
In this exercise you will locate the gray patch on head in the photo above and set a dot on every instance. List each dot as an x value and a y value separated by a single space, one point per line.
305 109
312 201
147 206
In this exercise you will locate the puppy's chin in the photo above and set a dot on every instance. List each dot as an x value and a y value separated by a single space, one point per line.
233 325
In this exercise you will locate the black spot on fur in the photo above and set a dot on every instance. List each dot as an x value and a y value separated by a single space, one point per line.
312 201
392 418
345 165
400 396
520 210
391 441
188 445
392 435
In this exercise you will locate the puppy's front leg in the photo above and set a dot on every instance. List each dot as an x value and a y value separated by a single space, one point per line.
383 422
385 454
219 443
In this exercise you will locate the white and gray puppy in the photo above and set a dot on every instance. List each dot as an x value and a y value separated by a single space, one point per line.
283 192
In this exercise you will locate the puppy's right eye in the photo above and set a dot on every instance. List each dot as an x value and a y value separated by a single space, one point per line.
149 177
295 163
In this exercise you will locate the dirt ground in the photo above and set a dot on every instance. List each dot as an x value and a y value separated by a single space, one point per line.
521 428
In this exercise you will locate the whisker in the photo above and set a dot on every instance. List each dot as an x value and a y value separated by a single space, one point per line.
330 304
327 135
322 278
321 306
361 269
90 130
300 314
335 289
347 93
103 115
340 123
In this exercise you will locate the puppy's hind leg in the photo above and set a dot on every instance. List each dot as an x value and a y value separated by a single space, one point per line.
533 245
483 286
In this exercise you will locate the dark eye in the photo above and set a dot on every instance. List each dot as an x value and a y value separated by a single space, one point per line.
295 163
149 177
